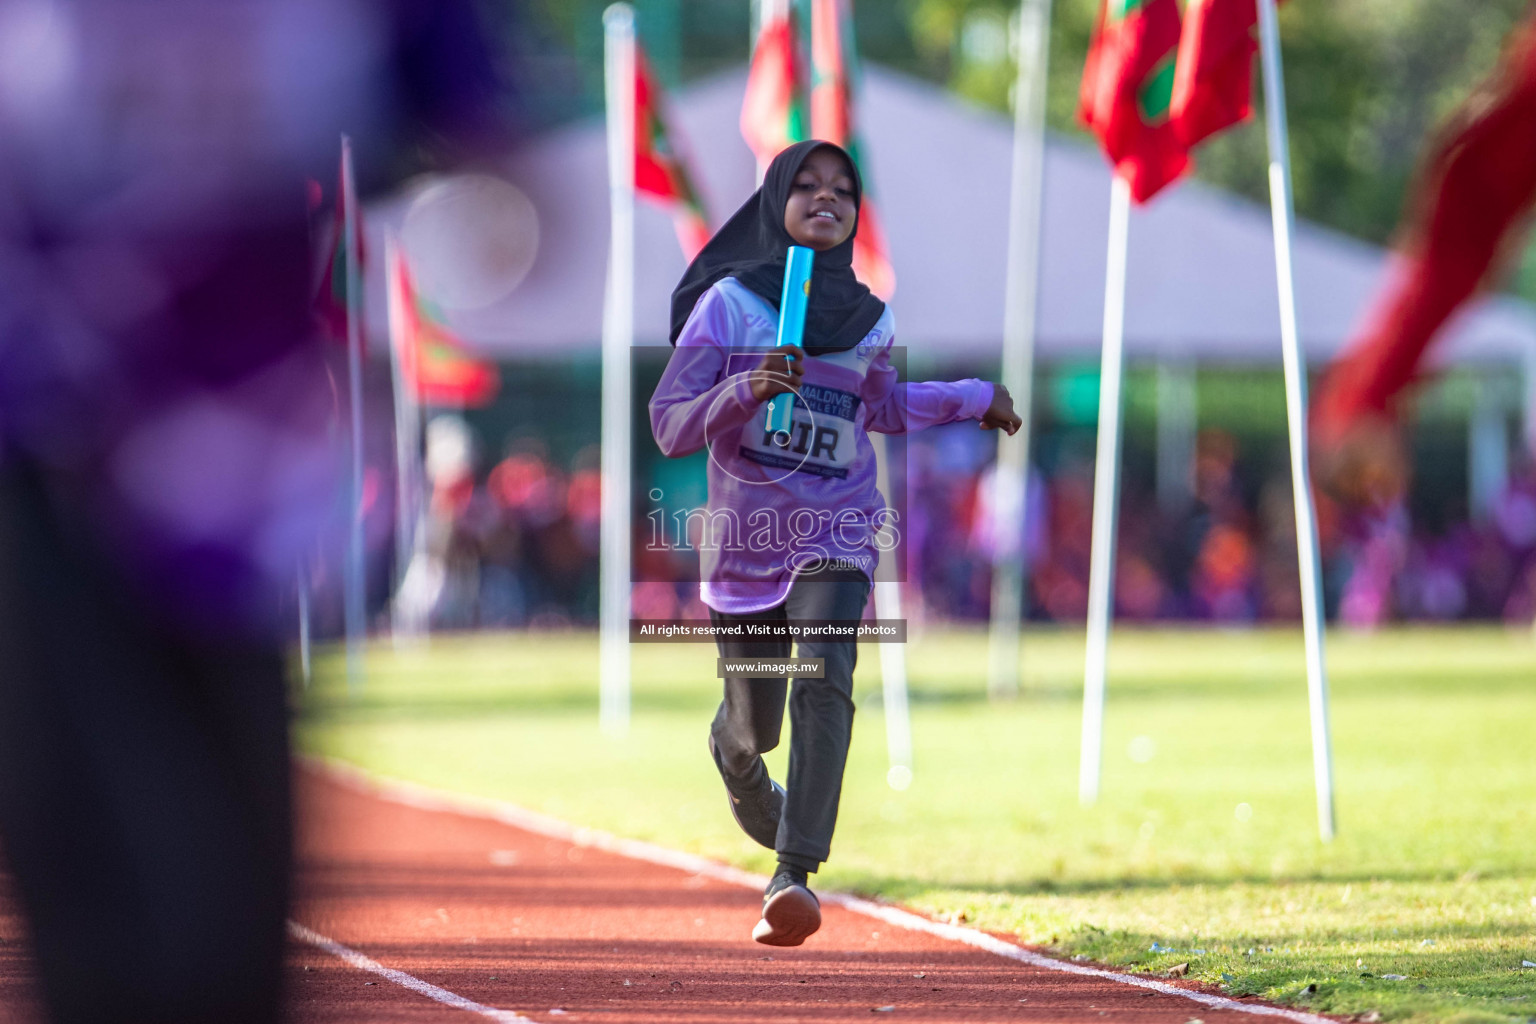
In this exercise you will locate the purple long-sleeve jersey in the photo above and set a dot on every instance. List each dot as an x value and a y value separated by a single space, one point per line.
775 510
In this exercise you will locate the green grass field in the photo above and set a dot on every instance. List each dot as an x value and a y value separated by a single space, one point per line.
1202 849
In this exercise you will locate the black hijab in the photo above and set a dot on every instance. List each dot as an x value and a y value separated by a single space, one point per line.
752 247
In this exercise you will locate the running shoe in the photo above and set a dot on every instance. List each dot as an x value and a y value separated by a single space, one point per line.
791 913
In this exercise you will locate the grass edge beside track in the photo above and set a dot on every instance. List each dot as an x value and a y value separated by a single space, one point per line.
404 724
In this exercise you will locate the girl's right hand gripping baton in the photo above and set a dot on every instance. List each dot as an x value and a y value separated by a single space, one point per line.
792 305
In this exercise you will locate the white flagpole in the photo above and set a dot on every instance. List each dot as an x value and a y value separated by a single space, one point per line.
1009 504
893 657
1528 407
1296 413
893 691
618 341
304 645
1106 494
1528 387
406 619
356 584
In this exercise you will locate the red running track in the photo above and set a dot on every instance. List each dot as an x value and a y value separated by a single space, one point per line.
486 920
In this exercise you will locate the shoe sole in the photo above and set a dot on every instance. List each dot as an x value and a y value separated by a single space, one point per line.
790 917
759 840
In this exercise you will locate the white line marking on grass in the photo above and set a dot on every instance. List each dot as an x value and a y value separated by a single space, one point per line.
424 798
402 979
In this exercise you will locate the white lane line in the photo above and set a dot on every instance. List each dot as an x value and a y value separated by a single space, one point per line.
992 944
402 979
424 798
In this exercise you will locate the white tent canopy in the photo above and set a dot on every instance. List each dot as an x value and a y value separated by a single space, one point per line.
1201 271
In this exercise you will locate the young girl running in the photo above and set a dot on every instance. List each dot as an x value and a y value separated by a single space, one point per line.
790 535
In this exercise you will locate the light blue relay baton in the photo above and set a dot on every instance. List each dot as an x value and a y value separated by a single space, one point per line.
792 305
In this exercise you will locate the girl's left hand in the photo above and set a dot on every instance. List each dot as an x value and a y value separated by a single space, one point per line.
1000 413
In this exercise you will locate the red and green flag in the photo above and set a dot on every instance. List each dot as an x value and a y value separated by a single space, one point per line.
831 60
1467 213
434 362
1213 85
834 69
660 171
773 115
1127 91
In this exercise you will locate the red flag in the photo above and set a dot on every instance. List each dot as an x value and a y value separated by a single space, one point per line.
432 359
660 171
773 110
833 69
1478 185
1127 88
1213 83
330 299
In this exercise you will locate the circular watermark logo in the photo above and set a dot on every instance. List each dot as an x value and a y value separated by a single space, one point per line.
784 444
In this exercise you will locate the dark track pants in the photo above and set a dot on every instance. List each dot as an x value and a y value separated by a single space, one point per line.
144 790
820 713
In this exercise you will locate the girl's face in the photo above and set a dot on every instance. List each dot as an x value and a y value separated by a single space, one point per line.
820 213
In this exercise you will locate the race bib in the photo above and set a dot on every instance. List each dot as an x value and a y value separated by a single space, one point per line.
822 437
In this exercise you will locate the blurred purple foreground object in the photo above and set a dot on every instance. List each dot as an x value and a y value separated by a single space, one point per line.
167 457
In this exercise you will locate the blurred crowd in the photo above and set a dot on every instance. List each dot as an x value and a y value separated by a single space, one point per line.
512 541
1227 553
